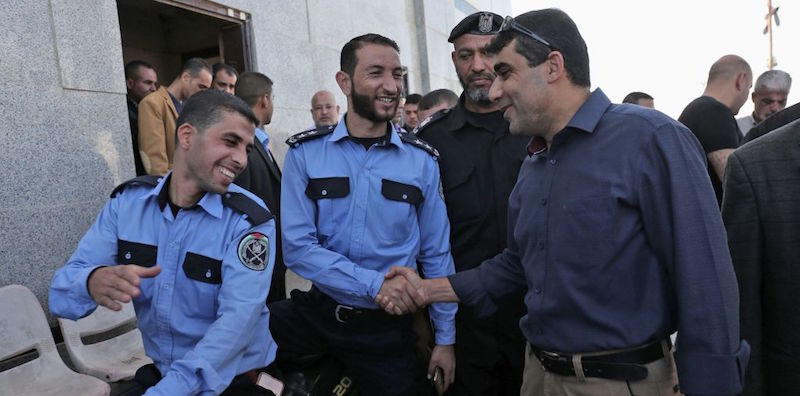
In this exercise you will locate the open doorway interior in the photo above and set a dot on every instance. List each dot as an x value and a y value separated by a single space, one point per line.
165 33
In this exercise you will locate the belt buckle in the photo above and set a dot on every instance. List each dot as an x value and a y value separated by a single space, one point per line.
554 356
338 311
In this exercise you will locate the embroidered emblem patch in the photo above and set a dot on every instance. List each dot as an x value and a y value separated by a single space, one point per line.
254 251
485 23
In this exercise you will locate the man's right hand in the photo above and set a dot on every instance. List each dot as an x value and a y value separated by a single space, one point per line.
400 292
407 302
108 285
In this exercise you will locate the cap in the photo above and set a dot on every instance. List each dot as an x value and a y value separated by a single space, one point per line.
482 22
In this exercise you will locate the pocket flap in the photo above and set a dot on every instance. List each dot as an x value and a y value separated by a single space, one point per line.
402 192
202 268
328 187
136 253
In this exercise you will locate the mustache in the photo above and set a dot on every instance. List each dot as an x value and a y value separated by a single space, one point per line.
486 75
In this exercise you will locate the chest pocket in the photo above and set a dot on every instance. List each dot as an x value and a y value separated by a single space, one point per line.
461 194
202 286
330 210
399 216
136 253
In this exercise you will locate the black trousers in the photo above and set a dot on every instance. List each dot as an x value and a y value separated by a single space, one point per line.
148 376
377 348
490 353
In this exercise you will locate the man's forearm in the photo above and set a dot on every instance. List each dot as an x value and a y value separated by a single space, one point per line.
437 290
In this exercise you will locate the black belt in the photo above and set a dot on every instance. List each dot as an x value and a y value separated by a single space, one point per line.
348 314
622 366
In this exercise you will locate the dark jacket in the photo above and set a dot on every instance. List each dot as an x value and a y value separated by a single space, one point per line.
761 210
262 177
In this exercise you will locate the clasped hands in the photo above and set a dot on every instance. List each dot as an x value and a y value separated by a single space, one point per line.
402 292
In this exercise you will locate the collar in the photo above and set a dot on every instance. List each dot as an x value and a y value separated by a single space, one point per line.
341 132
589 114
211 202
459 116
262 137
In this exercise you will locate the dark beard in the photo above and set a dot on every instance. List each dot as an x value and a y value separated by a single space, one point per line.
363 106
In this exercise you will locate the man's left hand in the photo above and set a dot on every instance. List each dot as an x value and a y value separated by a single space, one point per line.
443 356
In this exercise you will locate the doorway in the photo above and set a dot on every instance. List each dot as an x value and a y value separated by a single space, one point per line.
165 33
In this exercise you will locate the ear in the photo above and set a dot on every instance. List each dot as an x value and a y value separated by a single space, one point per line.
185 134
343 79
753 96
129 83
555 66
453 56
185 76
741 82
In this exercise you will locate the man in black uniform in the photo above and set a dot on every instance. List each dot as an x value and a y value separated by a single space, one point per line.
479 162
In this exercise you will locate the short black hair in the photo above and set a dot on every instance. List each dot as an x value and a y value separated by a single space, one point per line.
205 108
635 96
229 70
413 98
560 30
252 85
437 96
194 66
132 68
349 60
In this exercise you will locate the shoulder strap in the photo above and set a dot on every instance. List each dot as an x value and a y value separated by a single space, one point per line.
431 120
241 203
413 140
310 135
147 180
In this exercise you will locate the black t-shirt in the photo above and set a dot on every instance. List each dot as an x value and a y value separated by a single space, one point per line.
715 127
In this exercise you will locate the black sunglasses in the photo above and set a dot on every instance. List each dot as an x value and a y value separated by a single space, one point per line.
510 24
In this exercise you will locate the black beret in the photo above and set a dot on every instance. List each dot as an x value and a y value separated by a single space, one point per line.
482 22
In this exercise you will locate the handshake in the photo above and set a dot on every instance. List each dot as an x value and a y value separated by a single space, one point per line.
402 292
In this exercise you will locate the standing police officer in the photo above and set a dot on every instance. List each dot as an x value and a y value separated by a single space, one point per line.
194 253
479 161
358 198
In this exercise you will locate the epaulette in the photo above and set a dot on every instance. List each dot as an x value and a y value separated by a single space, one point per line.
146 180
310 134
413 140
430 120
241 203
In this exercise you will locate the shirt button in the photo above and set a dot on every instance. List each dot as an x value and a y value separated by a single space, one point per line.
324 192
159 180
537 290
405 197
543 201
227 195
541 245
553 162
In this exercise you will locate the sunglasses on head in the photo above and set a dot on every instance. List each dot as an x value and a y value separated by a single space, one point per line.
510 24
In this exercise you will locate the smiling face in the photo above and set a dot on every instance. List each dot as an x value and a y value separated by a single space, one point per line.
377 81
219 153
474 67
522 92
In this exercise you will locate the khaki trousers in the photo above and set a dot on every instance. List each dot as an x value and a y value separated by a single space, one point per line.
662 380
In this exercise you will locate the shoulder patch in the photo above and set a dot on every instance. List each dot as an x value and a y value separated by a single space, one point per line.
254 251
413 140
243 204
431 119
310 134
147 180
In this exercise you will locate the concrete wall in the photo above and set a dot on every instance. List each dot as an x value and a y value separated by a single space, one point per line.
64 130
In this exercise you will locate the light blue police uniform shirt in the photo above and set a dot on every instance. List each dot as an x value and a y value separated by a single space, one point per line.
203 318
346 241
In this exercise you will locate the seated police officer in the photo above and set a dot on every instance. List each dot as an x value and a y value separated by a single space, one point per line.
358 198
194 254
